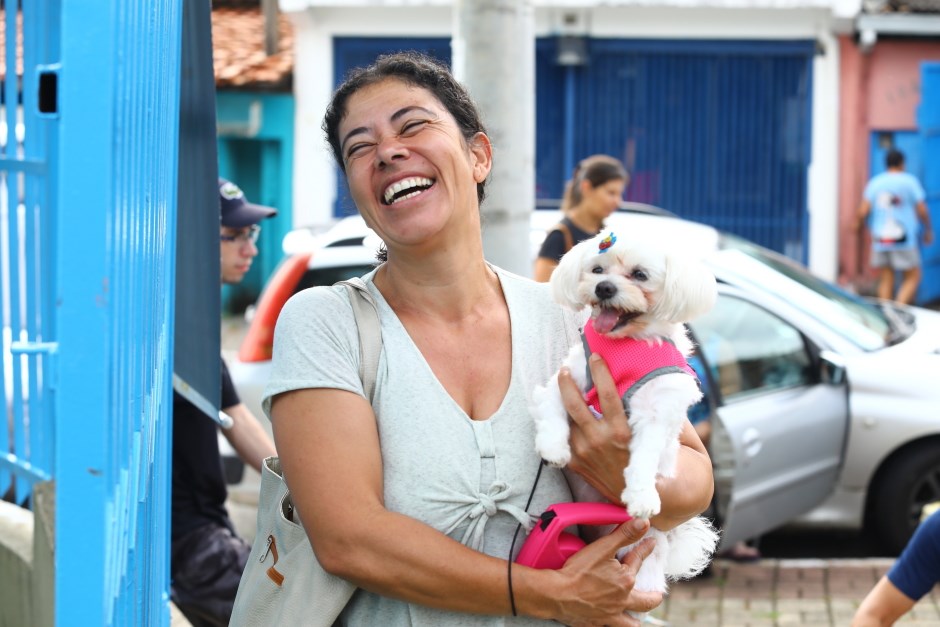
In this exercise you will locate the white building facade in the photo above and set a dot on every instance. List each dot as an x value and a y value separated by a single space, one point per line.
782 55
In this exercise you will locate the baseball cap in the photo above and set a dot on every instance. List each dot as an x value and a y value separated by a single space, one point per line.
237 212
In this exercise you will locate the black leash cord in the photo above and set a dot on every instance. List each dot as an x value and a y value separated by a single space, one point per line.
512 546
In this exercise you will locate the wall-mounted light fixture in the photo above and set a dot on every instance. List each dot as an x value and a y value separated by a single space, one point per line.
571 50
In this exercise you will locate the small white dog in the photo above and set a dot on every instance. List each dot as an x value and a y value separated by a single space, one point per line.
639 296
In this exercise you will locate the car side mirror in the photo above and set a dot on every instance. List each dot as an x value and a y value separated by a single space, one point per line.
832 368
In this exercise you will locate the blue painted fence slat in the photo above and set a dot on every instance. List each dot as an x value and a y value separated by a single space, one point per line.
15 241
117 194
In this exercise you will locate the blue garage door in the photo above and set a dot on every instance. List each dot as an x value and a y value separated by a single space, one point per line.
715 131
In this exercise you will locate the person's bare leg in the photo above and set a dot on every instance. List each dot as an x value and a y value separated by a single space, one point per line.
908 290
886 283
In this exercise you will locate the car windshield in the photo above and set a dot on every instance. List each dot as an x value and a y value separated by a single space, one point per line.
861 321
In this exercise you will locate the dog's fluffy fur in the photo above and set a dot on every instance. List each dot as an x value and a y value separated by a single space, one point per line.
636 289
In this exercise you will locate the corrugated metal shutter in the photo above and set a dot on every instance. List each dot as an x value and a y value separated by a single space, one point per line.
715 131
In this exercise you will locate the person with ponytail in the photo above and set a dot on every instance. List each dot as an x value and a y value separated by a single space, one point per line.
593 193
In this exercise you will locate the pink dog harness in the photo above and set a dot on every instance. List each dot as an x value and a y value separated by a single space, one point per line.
631 362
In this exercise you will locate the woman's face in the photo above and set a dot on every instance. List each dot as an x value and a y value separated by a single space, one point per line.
409 169
604 199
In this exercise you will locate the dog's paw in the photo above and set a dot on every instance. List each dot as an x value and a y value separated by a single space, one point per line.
641 503
555 452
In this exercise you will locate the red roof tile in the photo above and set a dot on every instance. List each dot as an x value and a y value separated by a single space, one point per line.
238 54
238 50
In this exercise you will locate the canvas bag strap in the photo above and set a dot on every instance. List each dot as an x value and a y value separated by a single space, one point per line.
370 332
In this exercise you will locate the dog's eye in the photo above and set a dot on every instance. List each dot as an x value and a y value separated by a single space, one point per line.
639 275
597 270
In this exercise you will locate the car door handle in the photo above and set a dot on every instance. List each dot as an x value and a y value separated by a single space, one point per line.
751 443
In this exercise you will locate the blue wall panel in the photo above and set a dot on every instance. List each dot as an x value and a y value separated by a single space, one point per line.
256 151
928 119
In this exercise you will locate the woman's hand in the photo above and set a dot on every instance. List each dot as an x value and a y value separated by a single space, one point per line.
600 448
602 587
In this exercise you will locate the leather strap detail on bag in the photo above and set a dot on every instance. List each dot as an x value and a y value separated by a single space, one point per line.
569 240
272 572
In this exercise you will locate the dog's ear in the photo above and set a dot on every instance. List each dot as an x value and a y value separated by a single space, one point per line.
567 276
689 289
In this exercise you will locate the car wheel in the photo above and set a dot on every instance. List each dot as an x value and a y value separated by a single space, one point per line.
910 480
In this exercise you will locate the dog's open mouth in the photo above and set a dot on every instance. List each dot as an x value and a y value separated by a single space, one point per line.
607 320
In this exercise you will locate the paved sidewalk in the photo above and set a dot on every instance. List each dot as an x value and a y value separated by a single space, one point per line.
772 593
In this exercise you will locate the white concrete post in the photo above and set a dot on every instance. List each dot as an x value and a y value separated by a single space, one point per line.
493 54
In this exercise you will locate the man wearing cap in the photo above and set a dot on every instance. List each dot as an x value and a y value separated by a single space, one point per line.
207 556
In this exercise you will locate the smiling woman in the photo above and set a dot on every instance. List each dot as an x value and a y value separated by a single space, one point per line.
442 460
402 148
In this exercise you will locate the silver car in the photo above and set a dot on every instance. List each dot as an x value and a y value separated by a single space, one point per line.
824 404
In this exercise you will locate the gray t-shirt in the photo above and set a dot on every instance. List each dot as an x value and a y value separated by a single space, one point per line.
468 479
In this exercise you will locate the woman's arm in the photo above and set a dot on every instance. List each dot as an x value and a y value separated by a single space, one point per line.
330 454
600 451
248 437
543 269
883 606
923 214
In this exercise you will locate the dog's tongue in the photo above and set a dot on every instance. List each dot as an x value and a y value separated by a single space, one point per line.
606 320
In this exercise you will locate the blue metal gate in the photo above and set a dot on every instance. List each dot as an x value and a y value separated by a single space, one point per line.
115 212
928 120
27 165
89 169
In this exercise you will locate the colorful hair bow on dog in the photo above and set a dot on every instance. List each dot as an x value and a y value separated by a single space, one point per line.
606 243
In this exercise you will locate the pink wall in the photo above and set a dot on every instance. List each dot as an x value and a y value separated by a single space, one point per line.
878 91
894 83
853 156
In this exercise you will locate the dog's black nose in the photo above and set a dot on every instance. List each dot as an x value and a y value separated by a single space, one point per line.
605 290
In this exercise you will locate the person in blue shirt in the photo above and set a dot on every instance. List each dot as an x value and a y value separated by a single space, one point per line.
911 577
893 207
